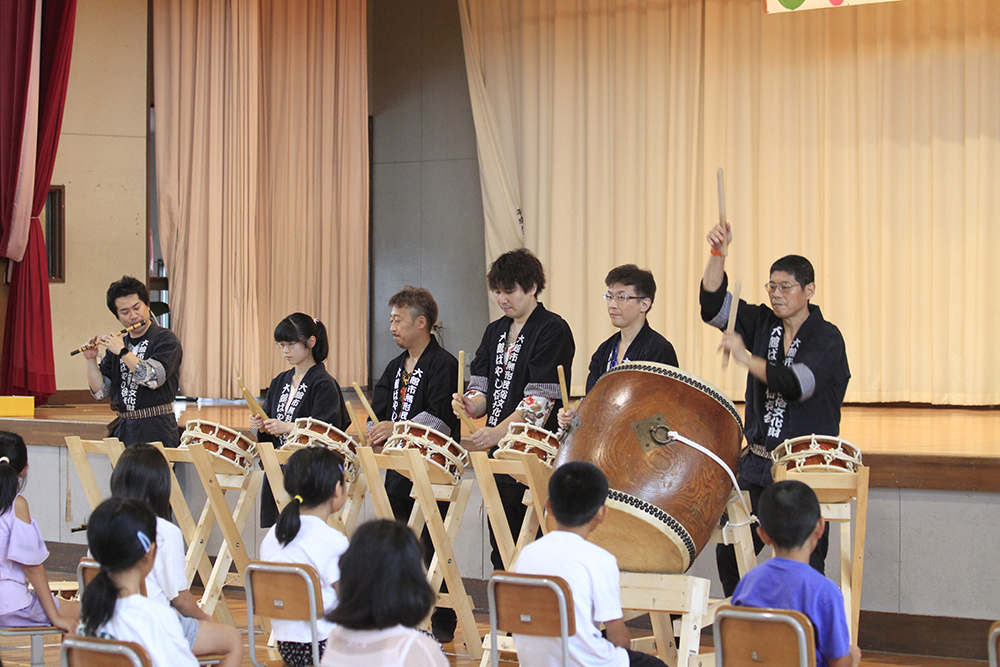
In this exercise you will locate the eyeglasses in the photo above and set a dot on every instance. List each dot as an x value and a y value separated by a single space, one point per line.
285 347
621 297
780 288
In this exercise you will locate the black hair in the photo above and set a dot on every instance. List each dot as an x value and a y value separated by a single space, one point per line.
420 302
298 328
142 473
13 449
788 512
577 490
120 532
630 274
312 474
124 287
382 579
798 266
517 267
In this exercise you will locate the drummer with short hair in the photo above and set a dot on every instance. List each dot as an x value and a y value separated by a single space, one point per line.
416 386
798 371
304 390
629 298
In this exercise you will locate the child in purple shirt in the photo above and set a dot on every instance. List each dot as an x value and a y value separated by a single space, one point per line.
790 522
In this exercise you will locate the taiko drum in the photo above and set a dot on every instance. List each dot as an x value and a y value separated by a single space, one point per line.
666 496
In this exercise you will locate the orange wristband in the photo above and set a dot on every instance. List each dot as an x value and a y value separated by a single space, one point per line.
716 253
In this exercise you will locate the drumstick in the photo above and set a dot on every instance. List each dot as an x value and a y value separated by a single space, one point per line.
90 346
364 402
362 430
722 211
733 308
461 372
457 407
252 403
562 386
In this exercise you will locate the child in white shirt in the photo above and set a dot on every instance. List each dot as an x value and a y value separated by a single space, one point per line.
577 492
314 478
122 537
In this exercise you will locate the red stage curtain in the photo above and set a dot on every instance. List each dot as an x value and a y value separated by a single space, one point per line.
28 364
17 18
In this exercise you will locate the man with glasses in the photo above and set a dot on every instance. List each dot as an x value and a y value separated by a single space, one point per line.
797 376
630 295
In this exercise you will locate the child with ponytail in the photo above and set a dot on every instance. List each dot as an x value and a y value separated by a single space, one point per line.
122 538
142 473
314 478
22 551
304 390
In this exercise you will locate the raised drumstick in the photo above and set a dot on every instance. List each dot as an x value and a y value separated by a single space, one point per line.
364 402
722 211
362 431
562 386
461 372
252 403
731 327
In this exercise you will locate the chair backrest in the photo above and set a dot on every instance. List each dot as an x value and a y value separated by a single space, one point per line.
530 604
994 646
88 569
78 651
752 637
284 591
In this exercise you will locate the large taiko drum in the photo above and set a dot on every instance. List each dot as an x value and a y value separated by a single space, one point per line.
233 452
309 432
643 424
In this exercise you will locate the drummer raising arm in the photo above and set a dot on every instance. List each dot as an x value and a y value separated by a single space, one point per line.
798 370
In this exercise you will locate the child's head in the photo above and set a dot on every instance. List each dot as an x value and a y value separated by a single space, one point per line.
313 476
121 534
142 473
299 328
382 579
789 513
13 461
577 491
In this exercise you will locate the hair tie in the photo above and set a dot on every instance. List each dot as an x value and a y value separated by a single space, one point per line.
299 498
315 320
4 459
143 540
341 466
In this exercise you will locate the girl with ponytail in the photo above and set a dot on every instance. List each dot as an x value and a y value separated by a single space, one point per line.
304 390
22 551
314 478
122 538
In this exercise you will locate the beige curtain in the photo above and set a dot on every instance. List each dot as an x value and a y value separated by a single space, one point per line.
261 143
866 138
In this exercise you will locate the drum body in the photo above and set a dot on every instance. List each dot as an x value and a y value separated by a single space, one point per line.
309 432
234 453
447 458
528 439
666 496
817 453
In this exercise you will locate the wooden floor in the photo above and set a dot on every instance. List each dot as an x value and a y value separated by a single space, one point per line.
880 430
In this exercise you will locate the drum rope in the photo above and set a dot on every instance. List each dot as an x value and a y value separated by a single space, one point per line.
712 455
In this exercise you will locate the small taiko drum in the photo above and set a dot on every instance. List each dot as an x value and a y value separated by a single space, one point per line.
309 432
664 439
528 439
816 453
446 457
234 452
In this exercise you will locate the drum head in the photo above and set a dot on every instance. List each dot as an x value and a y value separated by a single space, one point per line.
667 497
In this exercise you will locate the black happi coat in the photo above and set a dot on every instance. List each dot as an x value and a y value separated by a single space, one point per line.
647 346
318 396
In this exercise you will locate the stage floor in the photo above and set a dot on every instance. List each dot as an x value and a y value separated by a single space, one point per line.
905 446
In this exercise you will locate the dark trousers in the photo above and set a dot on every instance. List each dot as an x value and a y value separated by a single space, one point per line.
512 498
398 488
637 659
725 554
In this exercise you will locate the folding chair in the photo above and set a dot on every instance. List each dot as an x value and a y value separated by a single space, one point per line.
752 637
530 604
994 646
37 634
285 591
78 651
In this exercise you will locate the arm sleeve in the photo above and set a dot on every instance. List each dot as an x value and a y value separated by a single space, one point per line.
26 544
833 640
444 380
479 368
105 367
382 392
663 353
715 307
607 592
818 364
326 403
164 363
595 369
555 347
